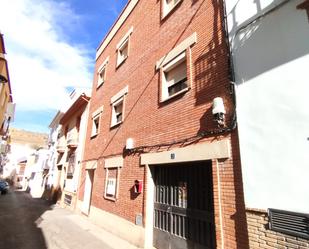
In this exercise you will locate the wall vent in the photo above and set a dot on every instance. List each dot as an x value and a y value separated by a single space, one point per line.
292 223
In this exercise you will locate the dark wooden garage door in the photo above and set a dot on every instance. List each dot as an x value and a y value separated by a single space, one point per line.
183 207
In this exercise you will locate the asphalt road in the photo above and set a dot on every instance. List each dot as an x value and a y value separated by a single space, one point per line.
27 223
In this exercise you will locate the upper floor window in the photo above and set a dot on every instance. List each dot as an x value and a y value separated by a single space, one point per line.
117 102
78 120
95 125
96 122
175 69
168 6
123 48
174 77
102 73
66 130
117 112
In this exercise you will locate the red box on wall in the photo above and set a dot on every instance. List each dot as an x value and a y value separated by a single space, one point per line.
138 186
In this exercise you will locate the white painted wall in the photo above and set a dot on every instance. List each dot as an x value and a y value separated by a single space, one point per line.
72 184
271 60
52 160
37 184
17 151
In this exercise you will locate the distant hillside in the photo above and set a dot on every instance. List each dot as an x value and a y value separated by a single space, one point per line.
33 139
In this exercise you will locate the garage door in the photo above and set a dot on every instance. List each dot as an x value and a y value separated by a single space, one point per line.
183 206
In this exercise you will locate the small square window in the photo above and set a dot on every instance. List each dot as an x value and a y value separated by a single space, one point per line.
117 111
102 72
168 6
111 183
123 47
123 52
96 121
111 187
174 77
95 126
101 76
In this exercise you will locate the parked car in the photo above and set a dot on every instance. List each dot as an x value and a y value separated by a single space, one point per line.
4 187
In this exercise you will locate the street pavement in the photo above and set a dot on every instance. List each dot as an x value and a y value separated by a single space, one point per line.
27 223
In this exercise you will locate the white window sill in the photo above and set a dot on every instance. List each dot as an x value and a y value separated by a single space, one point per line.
94 135
110 198
100 84
113 125
119 63
175 95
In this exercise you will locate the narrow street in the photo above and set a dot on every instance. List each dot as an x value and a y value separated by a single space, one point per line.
27 223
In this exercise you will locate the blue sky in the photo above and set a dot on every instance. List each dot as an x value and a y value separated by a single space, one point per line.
51 47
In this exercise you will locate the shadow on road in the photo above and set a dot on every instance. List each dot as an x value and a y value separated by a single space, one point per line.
20 216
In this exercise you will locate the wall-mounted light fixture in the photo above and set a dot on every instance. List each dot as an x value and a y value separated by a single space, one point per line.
218 111
129 144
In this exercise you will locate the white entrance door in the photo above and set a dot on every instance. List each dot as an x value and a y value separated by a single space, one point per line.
87 192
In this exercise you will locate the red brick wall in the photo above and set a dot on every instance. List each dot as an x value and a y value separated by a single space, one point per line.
235 232
150 122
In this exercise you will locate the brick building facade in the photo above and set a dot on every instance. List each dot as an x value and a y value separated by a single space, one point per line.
157 169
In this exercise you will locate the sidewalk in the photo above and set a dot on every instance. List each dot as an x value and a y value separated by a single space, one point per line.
63 229
32 223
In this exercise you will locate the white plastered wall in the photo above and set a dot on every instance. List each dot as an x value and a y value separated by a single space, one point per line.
72 184
271 72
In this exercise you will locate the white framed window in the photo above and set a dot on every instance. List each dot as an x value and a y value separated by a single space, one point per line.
112 178
96 122
111 187
123 52
101 76
174 77
117 112
123 48
112 183
102 73
95 126
168 6
175 69
118 106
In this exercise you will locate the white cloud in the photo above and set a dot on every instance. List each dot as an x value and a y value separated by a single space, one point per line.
41 60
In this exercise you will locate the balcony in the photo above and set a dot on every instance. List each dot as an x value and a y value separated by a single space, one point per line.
72 140
4 148
60 146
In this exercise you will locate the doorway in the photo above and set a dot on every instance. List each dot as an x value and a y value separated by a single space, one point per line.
88 191
183 206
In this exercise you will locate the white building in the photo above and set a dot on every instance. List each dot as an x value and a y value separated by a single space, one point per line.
53 180
269 41
67 138
37 173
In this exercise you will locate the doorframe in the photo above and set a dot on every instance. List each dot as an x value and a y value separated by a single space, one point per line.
83 209
149 208
200 152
